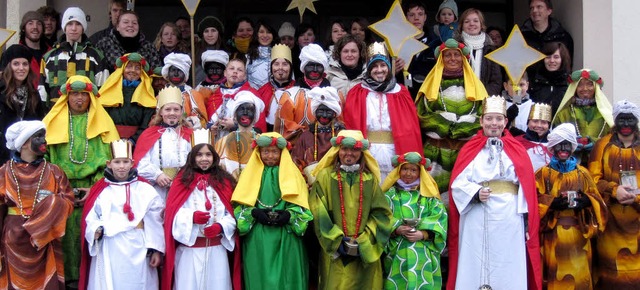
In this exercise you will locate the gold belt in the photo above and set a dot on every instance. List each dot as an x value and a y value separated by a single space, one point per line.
501 186
171 171
383 137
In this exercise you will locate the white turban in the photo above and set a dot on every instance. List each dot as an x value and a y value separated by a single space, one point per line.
563 132
625 106
180 60
244 97
218 56
313 53
327 96
18 133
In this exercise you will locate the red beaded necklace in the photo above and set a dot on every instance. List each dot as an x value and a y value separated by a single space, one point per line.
344 220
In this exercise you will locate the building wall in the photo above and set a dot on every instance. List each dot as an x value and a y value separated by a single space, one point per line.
97 12
622 49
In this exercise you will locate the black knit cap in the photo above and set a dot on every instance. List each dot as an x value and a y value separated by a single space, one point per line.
210 21
13 52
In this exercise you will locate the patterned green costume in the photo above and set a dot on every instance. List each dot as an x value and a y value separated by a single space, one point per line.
80 176
448 122
273 257
589 123
416 265
347 272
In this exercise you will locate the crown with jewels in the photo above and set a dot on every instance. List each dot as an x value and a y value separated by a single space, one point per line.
200 136
540 111
494 104
122 148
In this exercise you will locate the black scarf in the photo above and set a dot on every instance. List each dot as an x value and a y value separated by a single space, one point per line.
351 73
108 175
129 44
383 86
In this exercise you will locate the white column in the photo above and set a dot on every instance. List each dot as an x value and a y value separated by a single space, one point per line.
623 49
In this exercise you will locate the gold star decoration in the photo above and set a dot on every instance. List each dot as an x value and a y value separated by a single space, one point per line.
5 35
399 34
515 55
302 5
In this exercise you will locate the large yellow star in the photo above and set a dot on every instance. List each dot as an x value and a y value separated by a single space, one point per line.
302 5
395 29
515 55
5 35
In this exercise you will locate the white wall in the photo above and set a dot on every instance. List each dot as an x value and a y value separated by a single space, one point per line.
623 50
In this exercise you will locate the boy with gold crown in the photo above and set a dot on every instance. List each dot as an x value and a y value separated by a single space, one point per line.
200 230
383 111
351 215
121 209
493 210
163 147
273 214
412 259
534 139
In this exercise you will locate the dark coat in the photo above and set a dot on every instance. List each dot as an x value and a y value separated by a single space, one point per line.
554 33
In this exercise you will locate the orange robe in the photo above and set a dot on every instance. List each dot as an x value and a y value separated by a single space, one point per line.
31 247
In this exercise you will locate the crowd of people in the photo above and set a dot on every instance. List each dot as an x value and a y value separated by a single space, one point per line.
287 164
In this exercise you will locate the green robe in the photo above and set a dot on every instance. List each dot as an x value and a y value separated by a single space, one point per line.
590 123
273 257
338 272
131 114
416 265
80 176
447 122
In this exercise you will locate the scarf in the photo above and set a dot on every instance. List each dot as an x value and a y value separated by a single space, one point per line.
20 99
476 43
129 44
108 175
408 186
383 86
351 73
563 167
242 44
533 136
130 84
580 102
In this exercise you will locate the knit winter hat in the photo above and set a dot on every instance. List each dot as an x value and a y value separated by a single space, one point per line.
451 4
210 21
31 15
74 14
13 52
286 29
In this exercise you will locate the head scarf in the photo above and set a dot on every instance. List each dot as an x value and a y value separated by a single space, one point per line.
111 92
244 97
292 185
179 60
473 87
428 186
563 132
327 96
349 138
18 133
313 53
603 105
626 107
99 123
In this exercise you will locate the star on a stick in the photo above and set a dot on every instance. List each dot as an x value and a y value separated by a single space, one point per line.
515 55
395 29
5 35
302 5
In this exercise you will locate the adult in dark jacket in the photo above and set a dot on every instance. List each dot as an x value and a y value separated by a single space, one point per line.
126 38
19 99
471 31
548 78
116 8
540 28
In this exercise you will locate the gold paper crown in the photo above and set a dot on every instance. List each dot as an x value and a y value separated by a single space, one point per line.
200 136
122 149
540 111
281 51
494 104
170 94
377 48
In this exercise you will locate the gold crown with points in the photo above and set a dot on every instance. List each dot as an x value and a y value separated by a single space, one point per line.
281 51
200 136
377 48
494 104
121 148
170 94
540 111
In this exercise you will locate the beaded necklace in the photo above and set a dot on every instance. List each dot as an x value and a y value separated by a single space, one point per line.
238 147
344 220
35 197
72 140
575 122
269 206
315 139
179 153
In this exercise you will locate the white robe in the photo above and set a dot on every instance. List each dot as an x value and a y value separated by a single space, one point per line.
207 267
505 245
174 154
523 114
378 119
119 260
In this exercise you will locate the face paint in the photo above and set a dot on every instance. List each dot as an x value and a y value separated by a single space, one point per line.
313 71
324 115
627 124
562 150
214 70
176 76
245 114
39 143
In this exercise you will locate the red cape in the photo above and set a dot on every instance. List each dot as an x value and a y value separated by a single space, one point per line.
405 127
85 259
178 195
216 100
149 137
524 171
529 144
